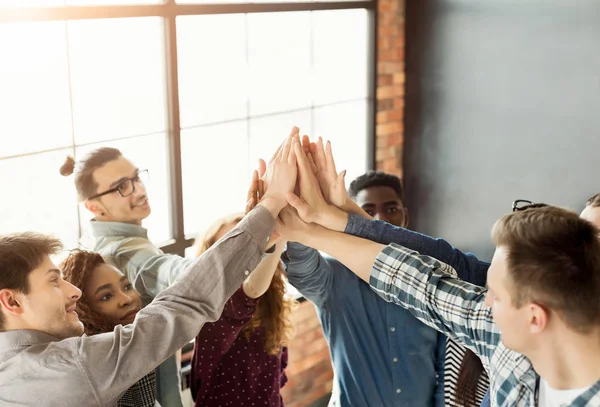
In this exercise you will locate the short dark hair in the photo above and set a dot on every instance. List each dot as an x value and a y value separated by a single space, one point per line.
594 201
20 254
553 258
84 173
376 179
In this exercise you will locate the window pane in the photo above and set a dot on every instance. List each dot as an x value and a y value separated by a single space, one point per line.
215 173
147 152
340 55
38 198
268 132
34 88
345 125
117 71
213 74
280 61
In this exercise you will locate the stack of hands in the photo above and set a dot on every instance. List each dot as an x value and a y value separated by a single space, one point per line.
302 189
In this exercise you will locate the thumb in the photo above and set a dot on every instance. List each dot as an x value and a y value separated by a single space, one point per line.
303 209
295 201
341 178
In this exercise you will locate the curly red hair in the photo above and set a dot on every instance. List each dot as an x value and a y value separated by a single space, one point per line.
274 308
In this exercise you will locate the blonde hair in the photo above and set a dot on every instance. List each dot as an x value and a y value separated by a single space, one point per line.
274 307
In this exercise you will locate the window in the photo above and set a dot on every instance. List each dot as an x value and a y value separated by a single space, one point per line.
195 92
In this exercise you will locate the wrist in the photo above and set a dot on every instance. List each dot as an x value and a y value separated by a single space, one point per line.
273 204
333 218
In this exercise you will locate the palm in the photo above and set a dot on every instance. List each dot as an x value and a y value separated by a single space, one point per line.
331 183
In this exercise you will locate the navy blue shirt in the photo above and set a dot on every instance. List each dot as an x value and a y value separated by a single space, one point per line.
382 355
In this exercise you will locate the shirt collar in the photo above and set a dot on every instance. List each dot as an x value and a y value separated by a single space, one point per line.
24 337
103 229
525 373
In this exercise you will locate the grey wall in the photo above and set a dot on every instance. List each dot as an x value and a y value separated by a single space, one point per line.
502 102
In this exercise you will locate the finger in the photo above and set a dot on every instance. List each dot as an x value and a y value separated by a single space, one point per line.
287 145
302 160
306 144
329 158
250 205
253 190
262 167
292 159
261 189
311 161
320 155
295 202
276 154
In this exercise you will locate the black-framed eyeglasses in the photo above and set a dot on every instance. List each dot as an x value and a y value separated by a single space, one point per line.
127 186
523 204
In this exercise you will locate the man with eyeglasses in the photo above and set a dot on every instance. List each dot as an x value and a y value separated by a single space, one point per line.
112 188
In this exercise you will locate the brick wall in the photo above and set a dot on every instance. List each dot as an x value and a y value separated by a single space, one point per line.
390 86
309 371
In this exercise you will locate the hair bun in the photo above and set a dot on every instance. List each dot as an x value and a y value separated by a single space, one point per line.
68 167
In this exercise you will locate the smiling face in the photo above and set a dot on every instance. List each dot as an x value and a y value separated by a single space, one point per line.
113 207
49 305
110 294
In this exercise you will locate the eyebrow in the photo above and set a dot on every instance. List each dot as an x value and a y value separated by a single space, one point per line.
388 203
56 271
109 285
117 182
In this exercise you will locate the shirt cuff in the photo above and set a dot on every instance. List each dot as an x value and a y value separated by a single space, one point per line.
358 226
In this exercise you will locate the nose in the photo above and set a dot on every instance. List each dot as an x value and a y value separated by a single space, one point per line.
72 292
380 216
140 188
125 300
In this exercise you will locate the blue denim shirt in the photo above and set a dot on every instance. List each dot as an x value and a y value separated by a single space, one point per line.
382 356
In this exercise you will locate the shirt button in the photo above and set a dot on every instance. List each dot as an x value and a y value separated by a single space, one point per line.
398 391
392 329
395 360
246 273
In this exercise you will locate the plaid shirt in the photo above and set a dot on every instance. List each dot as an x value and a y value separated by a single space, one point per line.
431 291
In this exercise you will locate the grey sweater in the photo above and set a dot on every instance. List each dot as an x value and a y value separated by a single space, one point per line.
37 369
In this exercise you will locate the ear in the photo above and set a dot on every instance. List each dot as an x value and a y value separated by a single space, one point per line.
538 318
9 302
95 207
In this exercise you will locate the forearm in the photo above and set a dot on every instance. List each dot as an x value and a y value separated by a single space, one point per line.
467 265
355 253
259 281
351 207
177 314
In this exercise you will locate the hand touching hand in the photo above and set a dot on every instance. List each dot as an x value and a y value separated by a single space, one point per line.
332 184
281 173
290 227
310 204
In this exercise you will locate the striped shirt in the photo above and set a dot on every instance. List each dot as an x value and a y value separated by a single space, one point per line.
452 362
430 290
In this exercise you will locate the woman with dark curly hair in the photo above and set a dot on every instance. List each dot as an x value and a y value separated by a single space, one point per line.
108 299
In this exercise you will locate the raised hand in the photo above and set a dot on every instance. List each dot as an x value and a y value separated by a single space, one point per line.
332 184
310 203
281 174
